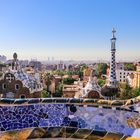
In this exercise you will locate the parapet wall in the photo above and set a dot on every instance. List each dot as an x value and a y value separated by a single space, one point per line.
76 113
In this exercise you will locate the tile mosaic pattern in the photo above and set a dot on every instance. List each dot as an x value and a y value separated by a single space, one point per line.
70 115
18 117
28 80
103 119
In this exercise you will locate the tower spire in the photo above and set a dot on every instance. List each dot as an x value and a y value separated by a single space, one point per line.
113 32
112 83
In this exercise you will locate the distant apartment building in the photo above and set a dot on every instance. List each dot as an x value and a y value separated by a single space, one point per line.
3 58
60 66
129 76
51 67
120 66
37 65
123 74
136 78
137 63
69 91
23 63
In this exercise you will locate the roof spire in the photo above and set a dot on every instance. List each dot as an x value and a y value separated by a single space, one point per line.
113 32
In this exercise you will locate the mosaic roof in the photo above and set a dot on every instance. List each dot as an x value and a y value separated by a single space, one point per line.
28 80
91 85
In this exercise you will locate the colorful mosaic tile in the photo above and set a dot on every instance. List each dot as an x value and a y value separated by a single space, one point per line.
75 116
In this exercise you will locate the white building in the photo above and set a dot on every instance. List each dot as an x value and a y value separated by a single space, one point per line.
122 75
120 66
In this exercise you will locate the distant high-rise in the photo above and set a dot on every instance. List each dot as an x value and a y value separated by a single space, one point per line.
37 65
112 82
3 58
52 58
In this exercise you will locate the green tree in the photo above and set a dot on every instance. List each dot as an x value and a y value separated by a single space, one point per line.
101 82
81 75
47 77
59 72
135 92
101 69
69 80
59 87
83 67
70 73
129 66
1 74
45 94
125 91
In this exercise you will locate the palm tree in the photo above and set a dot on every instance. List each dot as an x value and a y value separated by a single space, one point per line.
48 77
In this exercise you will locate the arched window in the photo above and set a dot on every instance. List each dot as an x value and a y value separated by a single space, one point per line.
4 86
22 96
16 86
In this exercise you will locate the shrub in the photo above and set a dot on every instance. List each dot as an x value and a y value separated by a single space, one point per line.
45 94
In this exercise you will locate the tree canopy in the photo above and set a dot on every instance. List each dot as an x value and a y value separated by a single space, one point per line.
127 92
129 66
101 69
101 82
69 80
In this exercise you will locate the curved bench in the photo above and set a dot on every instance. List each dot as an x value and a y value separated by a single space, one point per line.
60 112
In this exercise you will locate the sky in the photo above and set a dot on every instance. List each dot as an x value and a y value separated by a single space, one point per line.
69 29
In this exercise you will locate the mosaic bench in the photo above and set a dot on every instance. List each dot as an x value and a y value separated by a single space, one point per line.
68 113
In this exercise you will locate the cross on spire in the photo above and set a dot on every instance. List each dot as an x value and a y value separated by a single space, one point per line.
113 32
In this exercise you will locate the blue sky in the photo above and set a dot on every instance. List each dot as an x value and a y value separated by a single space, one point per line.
69 29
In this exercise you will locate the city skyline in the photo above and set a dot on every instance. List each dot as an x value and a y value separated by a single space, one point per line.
69 29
